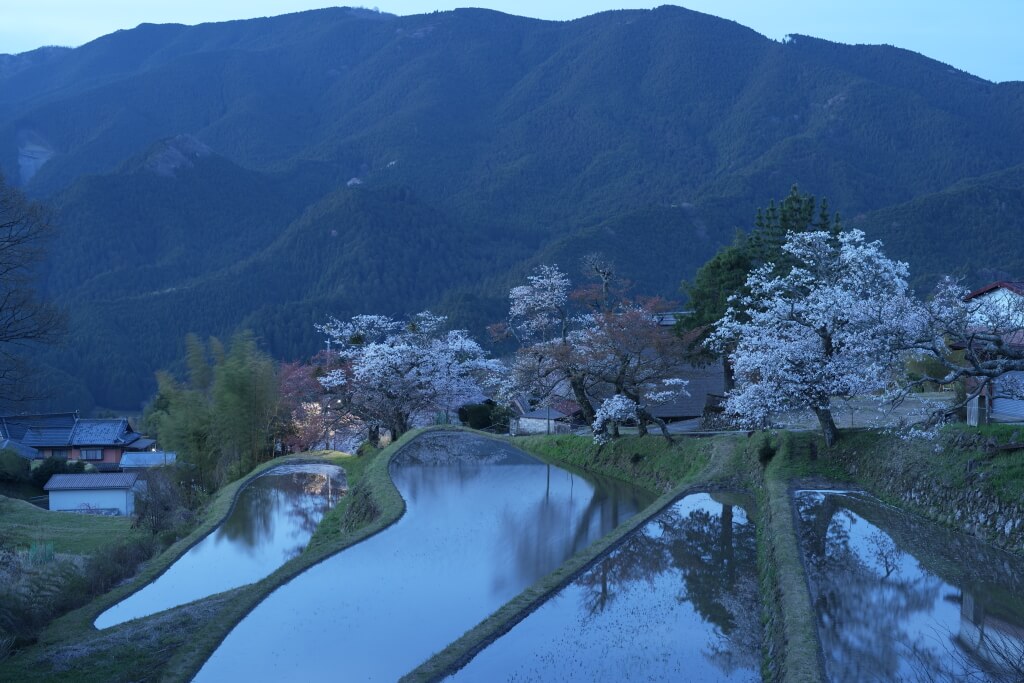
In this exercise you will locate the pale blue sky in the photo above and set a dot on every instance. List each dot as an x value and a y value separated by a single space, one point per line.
983 37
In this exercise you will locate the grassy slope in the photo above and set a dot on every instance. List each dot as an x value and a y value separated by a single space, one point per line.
22 524
871 457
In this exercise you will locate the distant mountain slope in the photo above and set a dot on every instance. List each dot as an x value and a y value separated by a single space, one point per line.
267 171
973 230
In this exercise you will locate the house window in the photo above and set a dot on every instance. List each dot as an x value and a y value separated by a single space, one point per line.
61 453
92 454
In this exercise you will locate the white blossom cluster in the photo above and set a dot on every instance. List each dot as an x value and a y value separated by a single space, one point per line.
394 369
836 325
540 309
616 410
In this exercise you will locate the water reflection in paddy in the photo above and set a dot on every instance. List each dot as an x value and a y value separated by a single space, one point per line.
483 522
900 599
272 520
678 600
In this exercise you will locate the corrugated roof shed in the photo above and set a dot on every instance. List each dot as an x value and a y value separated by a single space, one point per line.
148 459
89 482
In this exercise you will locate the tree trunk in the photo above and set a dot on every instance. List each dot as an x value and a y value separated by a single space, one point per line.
828 425
579 392
643 415
728 378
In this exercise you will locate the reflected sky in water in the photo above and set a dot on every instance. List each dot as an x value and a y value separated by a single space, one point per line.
678 600
272 521
899 599
483 522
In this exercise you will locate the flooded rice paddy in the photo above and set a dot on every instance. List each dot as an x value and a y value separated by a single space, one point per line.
272 521
900 599
678 600
483 522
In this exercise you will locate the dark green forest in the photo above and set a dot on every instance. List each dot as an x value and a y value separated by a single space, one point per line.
264 173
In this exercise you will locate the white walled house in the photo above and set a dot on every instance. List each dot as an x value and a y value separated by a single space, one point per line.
545 420
1001 402
105 493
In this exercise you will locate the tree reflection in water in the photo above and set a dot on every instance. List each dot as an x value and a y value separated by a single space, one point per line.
562 526
272 521
886 614
289 504
677 600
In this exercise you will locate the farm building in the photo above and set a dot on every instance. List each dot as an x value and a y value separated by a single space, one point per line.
103 493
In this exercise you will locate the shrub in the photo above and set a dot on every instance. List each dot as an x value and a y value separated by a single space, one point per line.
51 466
476 415
13 467
162 507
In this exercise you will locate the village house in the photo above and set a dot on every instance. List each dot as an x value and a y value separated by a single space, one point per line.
98 442
998 403
555 416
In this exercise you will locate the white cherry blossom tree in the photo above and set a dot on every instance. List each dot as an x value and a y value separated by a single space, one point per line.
837 325
395 370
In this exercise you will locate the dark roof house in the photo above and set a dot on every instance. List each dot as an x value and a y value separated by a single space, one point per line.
17 426
67 435
702 382
115 432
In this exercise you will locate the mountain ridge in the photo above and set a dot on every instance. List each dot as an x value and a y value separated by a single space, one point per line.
451 152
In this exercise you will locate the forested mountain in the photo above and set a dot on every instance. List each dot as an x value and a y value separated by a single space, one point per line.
270 171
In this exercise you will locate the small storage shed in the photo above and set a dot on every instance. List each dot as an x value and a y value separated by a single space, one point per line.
106 493
544 420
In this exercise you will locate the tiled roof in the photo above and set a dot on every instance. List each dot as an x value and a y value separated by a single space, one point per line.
15 426
114 432
1016 287
702 382
148 459
543 413
41 437
142 444
86 482
60 430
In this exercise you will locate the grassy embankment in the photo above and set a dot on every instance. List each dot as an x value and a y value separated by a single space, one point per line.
174 644
23 525
662 468
965 458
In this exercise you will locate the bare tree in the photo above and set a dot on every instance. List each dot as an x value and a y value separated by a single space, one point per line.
25 319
